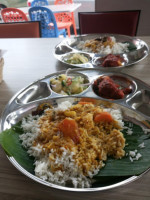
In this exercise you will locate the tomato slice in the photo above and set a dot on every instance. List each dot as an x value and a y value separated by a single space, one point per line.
103 116
69 128
69 81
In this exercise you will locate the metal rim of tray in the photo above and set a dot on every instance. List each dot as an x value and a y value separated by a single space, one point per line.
138 55
33 177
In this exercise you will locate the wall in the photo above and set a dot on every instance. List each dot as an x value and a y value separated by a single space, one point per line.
143 5
87 6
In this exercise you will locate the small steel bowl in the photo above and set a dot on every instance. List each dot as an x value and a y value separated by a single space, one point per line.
84 65
98 60
70 74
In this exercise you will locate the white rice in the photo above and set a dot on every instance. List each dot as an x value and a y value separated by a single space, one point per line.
116 114
31 129
129 131
117 48
146 130
63 105
142 145
71 172
134 155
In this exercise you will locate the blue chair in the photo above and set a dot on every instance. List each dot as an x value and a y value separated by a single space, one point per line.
39 3
48 22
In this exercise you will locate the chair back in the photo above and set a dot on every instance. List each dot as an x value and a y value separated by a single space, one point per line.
47 19
13 15
2 6
20 30
115 22
39 3
63 2
65 19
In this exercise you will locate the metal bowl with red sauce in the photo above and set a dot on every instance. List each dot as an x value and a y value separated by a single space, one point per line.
113 87
111 61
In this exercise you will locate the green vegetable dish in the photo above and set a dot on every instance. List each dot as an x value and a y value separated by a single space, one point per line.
68 85
77 59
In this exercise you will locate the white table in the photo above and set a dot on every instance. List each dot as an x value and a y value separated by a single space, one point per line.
28 60
57 8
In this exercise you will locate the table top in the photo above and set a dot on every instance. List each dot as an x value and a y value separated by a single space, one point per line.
27 60
57 8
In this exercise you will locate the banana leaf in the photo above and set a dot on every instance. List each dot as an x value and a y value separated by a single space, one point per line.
123 168
9 140
131 46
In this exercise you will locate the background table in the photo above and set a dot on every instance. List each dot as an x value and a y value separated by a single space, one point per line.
57 8
26 61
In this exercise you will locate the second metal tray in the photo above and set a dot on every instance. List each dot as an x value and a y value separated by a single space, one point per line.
69 46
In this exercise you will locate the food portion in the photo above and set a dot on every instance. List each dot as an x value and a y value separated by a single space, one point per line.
105 87
72 143
103 45
68 85
80 143
111 61
77 58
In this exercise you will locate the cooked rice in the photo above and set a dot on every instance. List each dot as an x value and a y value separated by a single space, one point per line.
112 47
142 145
134 155
58 159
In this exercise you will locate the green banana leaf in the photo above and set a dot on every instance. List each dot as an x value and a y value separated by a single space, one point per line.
9 139
123 168
131 46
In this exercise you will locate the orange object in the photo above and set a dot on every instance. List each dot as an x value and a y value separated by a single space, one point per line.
13 15
69 128
63 2
84 102
90 100
104 117
66 19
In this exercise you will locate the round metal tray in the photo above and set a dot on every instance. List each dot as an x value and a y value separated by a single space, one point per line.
69 46
134 105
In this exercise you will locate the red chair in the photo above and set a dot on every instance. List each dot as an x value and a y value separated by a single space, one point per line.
65 20
63 2
26 29
13 15
115 22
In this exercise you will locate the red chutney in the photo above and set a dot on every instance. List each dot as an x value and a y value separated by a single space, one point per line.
112 60
105 87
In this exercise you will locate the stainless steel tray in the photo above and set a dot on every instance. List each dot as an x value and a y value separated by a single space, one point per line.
68 46
136 105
